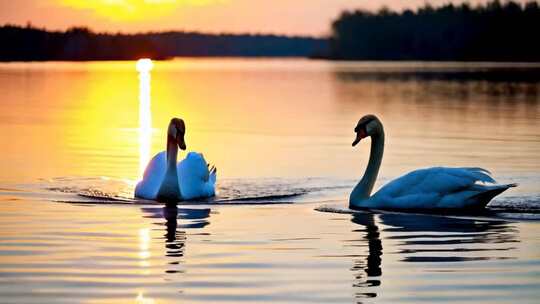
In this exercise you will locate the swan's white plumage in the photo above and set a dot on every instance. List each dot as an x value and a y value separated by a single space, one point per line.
438 187
154 174
194 178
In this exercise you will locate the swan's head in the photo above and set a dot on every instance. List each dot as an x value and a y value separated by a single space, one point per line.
176 132
368 125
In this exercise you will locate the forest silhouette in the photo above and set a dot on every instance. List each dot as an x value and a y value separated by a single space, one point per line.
80 43
494 31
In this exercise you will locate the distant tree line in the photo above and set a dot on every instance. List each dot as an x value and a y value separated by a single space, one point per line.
79 43
495 31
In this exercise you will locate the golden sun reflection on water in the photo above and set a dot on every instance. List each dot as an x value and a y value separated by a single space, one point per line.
144 247
144 66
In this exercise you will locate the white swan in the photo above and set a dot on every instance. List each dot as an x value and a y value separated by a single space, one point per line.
166 181
431 188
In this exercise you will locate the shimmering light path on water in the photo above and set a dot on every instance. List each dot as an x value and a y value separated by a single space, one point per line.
144 66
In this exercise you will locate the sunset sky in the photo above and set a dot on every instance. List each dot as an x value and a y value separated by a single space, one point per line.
305 17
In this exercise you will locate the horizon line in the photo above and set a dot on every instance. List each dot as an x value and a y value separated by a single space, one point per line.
30 25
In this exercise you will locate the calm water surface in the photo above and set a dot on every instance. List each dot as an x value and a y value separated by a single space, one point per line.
279 131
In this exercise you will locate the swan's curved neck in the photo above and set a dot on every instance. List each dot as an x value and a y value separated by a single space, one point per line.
363 189
169 191
172 153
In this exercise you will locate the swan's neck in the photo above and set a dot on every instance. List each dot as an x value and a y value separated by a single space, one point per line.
172 154
363 189
169 191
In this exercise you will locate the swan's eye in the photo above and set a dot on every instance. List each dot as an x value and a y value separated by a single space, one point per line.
180 127
359 128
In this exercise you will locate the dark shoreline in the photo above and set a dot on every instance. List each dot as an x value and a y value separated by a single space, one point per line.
81 44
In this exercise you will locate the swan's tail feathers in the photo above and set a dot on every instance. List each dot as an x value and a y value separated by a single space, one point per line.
477 169
480 174
213 174
483 198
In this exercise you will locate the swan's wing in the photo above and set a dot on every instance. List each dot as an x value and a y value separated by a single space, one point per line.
153 176
433 188
195 177
194 166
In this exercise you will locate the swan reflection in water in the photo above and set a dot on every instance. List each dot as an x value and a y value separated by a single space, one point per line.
368 271
175 234
426 238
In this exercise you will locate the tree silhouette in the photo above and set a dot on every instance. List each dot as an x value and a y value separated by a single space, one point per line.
495 31
80 43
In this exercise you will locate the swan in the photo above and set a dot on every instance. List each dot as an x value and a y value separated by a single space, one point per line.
166 181
430 188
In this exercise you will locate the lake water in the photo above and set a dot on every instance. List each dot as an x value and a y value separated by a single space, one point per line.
280 133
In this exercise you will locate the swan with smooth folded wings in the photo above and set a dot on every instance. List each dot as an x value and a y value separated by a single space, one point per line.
431 188
166 181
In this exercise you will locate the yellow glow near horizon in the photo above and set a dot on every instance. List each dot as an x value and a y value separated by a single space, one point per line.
134 10
144 66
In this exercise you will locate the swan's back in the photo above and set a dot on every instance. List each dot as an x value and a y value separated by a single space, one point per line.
195 179
154 174
439 187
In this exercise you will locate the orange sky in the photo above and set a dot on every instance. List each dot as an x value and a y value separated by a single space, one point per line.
306 17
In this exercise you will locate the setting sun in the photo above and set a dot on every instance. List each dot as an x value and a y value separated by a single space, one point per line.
134 10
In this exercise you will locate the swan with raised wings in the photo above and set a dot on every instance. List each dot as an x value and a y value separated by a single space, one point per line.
166 181
430 188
